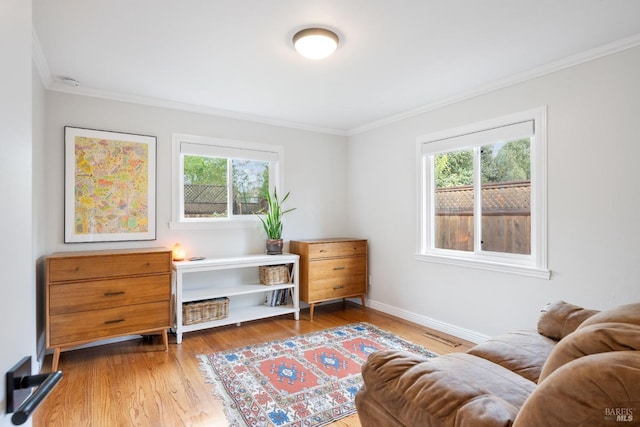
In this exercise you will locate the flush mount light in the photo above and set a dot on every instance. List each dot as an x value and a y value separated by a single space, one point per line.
315 43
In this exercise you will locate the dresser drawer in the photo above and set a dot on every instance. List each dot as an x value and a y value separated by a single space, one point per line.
338 287
337 249
338 267
105 266
91 325
94 295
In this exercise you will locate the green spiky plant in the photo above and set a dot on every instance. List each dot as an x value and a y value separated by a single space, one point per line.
272 221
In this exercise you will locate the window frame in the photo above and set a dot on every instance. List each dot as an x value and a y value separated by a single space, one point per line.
533 265
276 179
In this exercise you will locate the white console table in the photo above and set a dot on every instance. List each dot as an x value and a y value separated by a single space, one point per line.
235 278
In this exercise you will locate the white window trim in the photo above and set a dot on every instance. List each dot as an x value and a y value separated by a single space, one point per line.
246 221
532 266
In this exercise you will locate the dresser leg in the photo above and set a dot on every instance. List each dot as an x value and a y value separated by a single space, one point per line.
56 359
311 307
363 305
165 340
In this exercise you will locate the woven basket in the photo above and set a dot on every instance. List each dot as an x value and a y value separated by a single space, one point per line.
274 274
205 311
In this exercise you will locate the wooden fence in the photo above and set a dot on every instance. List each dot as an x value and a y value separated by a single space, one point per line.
506 218
207 201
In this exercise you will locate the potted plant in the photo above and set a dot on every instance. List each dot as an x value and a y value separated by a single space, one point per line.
272 222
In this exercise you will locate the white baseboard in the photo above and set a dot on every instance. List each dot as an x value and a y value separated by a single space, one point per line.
447 328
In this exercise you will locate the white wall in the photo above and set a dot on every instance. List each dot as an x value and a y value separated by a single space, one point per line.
315 173
593 203
17 285
39 204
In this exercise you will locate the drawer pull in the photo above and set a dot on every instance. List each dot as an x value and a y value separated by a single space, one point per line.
110 294
323 250
338 287
338 268
108 322
77 268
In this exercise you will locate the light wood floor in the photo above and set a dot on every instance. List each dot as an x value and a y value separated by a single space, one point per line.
135 383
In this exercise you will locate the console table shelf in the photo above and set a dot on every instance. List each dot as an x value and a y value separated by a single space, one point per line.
235 278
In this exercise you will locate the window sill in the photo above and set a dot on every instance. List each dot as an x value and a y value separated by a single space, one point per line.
521 270
209 225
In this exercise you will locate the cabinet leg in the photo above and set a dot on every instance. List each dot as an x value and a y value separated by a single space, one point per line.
311 307
165 340
56 359
363 305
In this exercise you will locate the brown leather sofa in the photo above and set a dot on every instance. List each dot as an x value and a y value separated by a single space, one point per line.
580 368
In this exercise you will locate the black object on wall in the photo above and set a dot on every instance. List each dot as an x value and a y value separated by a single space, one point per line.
19 385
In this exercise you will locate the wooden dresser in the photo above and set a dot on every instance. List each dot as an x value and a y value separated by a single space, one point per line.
95 295
331 269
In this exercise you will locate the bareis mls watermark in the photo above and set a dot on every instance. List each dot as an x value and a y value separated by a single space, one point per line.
619 414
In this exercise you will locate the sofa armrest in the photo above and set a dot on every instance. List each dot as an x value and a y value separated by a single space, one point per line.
594 390
559 319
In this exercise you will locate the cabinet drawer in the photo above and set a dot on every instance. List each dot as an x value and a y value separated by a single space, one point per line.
93 325
104 266
339 267
338 287
337 249
94 295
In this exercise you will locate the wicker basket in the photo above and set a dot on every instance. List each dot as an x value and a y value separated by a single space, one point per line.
205 311
274 274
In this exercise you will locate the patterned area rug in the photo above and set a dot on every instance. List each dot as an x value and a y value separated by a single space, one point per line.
307 380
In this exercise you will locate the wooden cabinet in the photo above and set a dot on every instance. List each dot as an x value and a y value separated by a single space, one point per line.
94 295
331 269
234 278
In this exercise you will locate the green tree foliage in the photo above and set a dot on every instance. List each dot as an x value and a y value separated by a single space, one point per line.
250 179
511 162
205 170
454 169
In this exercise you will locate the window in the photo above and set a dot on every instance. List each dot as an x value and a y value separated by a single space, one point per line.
218 182
483 195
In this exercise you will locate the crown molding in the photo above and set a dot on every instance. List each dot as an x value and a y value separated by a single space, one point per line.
193 108
39 60
568 62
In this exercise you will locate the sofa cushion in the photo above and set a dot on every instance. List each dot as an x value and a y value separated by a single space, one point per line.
592 339
595 390
629 313
559 319
523 352
450 390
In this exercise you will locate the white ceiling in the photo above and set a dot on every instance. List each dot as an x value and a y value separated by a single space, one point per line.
235 57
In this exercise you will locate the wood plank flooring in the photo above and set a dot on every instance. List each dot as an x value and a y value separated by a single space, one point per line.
136 383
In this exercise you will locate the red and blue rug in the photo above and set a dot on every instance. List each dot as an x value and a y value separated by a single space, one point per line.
307 380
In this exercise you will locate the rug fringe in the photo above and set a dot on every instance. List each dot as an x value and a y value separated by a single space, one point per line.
232 416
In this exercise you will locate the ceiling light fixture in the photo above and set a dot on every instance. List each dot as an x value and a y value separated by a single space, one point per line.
315 43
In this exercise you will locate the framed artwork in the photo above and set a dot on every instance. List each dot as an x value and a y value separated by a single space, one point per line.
110 186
